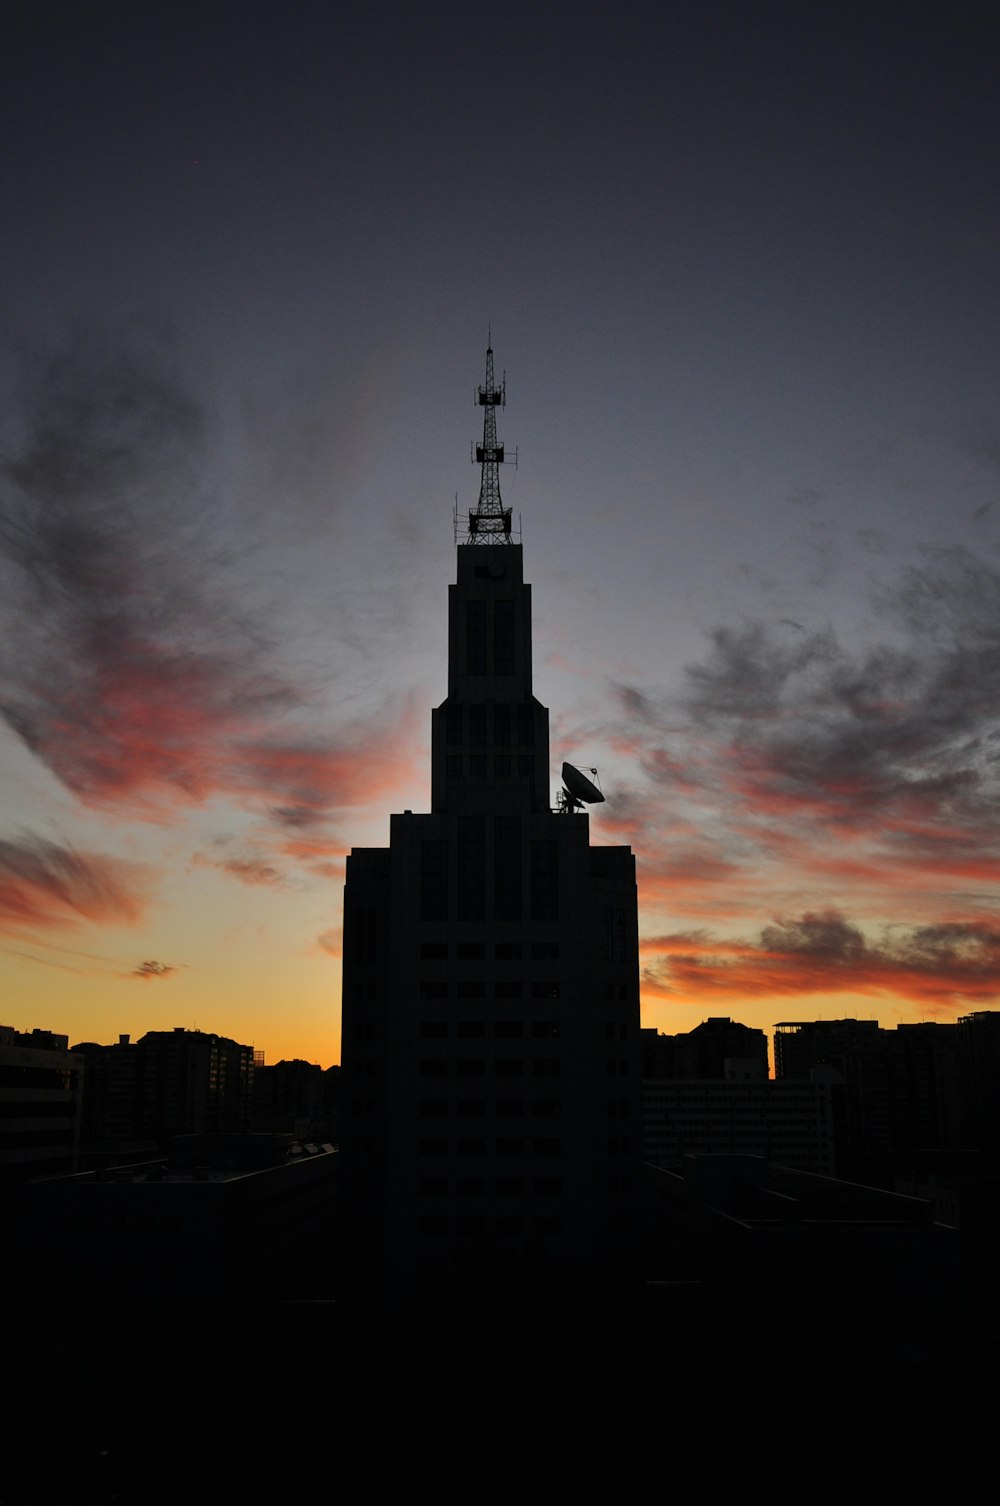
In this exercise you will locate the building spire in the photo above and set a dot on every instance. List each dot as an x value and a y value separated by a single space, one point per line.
489 522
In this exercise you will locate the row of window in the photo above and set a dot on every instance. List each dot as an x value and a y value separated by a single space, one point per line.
480 733
471 1227
476 988
438 1030
471 951
547 1145
480 1187
475 1108
501 764
511 1066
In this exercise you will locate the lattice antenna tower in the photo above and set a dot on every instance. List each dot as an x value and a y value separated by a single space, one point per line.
489 521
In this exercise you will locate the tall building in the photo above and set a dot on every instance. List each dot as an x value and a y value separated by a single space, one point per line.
491 979
39 1105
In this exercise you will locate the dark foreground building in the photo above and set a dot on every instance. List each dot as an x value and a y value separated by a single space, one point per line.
491 984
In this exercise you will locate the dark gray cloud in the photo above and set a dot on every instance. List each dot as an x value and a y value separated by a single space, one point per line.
128 668
148 970
909 725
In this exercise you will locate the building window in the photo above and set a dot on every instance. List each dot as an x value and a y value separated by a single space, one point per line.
456 732
434 1067
526 725
501 726
470 1030
503 637
507 990
472 870
470 951
471 1108
546 1108
432 988
545 1030
507 951
433 880
433 1030
471 1067
544 951
475 637
548 1186
508 1030
545 989
509 1108
546 1066
510 1066
544 879
433 951
471 988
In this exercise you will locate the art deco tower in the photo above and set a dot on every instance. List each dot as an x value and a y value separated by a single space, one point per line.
490 999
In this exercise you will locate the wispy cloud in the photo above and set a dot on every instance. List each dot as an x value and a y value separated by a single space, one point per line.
46 885
132 673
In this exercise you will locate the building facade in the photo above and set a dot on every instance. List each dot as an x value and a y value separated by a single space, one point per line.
491 981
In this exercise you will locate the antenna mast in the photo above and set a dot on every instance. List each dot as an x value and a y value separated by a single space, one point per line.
489 522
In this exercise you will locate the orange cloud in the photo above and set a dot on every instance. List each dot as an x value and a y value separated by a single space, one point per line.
45 885
951 964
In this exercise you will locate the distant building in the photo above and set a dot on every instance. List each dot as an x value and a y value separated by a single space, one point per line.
491 980
703 1052
788 1123
979 1045
170 1082
40 1102
193 1083
111 1092
925 1086
289 1096
706 1092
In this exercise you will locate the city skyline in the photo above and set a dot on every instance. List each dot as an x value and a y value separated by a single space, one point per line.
740 266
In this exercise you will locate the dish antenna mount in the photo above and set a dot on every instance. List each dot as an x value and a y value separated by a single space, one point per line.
577 790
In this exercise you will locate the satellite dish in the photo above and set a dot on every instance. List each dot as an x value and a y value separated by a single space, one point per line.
579 789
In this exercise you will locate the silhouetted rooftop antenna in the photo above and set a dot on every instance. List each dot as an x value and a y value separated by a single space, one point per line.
489 521
578 790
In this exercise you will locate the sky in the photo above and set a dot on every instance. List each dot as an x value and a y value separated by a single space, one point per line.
740 263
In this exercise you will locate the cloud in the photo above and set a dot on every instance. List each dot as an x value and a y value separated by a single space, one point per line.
45 885
944 966
331 942
791 766
129 671
147 970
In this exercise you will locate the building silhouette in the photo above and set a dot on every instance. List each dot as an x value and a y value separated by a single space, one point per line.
491 982
40 1102
170 1082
